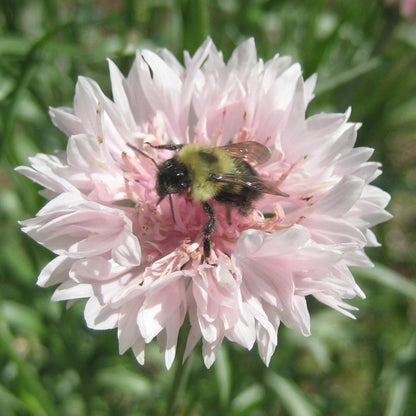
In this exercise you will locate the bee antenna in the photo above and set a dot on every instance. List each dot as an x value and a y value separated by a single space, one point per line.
136 149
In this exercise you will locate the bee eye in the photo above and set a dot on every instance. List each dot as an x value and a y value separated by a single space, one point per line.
179 182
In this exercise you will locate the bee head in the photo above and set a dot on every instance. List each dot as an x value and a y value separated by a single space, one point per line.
173 178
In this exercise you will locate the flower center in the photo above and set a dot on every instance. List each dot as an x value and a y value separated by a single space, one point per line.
160 234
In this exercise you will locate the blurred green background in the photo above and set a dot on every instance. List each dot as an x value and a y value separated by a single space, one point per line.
365 55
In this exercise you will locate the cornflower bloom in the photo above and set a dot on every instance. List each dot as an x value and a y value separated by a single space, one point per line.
144 271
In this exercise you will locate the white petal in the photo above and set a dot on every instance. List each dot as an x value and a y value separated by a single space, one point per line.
90 268
158 308
309 87
120 96
65 119
127 251
98 316
72 290
138 349
50 172
298 318
327 229
83 151
140 107
341 197
243 58
172 331
86 103
128 331
56 271
193 337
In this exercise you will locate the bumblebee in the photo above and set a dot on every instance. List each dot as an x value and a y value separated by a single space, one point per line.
225 174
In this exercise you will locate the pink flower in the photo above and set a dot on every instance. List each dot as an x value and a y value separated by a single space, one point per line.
144 273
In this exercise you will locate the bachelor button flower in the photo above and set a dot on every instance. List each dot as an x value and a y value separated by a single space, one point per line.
143 271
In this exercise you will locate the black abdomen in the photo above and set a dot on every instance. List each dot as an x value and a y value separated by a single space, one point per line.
238 195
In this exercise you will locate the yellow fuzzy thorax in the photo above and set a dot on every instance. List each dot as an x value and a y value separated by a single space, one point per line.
201 161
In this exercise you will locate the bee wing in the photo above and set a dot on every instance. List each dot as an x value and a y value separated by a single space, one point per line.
252 152
248 181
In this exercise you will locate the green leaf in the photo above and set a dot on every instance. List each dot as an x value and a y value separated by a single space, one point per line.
291 396
10 404
224 375
402 380
195 23
22 317
123 380
33 394
347 76
248 398
14 45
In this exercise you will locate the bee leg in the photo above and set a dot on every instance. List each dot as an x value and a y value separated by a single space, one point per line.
209 228
167 146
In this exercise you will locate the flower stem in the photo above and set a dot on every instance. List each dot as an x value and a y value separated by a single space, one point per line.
182 372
